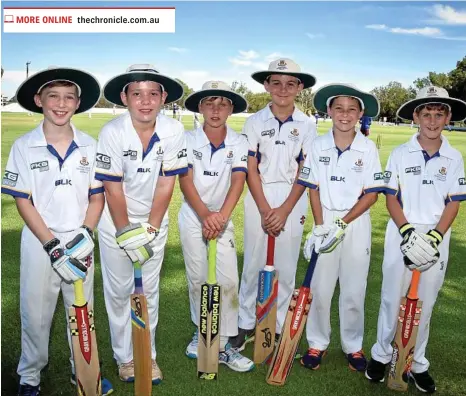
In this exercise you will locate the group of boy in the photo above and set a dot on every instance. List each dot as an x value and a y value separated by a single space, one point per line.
59 176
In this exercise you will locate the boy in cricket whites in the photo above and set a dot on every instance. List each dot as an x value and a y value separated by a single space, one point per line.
279 136
139 155
344 177
217 158
50 173
425 185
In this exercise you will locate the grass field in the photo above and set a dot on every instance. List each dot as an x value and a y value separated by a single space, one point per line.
446 349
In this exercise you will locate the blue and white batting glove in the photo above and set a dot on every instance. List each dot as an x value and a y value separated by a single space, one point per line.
335 235
69 269
314 240
82 245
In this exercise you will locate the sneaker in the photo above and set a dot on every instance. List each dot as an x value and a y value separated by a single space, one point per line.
423 381
107 387
234 360
156 373
244 337
375 371
313 358
357 361
191 349
126 371
28 390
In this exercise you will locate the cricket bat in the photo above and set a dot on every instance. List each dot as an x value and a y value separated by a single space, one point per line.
405 337
266 307
209 321
84 343
295 321
141 337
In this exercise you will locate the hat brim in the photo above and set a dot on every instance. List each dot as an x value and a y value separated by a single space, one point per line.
371 103
308 80
192 101
114 87
90 88
458 107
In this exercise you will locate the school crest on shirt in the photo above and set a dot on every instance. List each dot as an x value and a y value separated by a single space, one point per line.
294 134
229 159
159 153
358 165
442 174
83 166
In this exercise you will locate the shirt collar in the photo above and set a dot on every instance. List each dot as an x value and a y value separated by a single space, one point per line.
297 114
445 149
202 140
38 138
358 144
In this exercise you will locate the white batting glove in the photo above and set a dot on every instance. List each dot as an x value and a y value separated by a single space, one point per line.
135 239
314 240
335 235
82 245
418 248
69 269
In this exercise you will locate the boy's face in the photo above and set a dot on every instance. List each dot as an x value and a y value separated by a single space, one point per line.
432 120
283 89
58 103
345 112
144 100
215 111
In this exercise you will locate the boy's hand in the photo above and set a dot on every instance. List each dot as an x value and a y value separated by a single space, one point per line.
335 235
69 269
275 220
214 221
314 240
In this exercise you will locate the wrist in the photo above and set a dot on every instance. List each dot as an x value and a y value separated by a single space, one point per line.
50 245
89 230
405 228
436 234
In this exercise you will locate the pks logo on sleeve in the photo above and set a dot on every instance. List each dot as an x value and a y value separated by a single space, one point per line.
387 175
305 172
10 179
462 181
182 153
103 161
379 176
244 158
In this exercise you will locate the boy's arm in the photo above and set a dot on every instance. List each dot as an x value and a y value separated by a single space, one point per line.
33 220
94 210
116 202
192 196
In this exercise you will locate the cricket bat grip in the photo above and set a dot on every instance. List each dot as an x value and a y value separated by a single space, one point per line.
270 250
414 285
79 299
212 259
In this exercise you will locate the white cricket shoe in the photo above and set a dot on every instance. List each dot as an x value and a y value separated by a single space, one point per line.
191 349
234 360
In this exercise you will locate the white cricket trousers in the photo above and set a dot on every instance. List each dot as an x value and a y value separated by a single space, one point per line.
195 258
395 284
39 289
349 265
287 249
118 282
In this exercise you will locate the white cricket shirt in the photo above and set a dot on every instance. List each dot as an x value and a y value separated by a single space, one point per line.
120 158
279 147
58 187
425 184
213 166
342 177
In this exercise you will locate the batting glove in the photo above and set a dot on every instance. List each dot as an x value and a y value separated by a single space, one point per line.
135 239
69 269
82 245
314 240
335 235
419 251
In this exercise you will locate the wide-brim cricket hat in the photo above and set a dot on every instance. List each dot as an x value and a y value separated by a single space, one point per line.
288 67
216 88
324 95
433 94
138 73
87 84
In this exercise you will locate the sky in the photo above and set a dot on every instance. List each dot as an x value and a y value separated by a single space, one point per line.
364 43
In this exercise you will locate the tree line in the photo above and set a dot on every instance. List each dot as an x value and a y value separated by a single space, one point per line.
391 96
